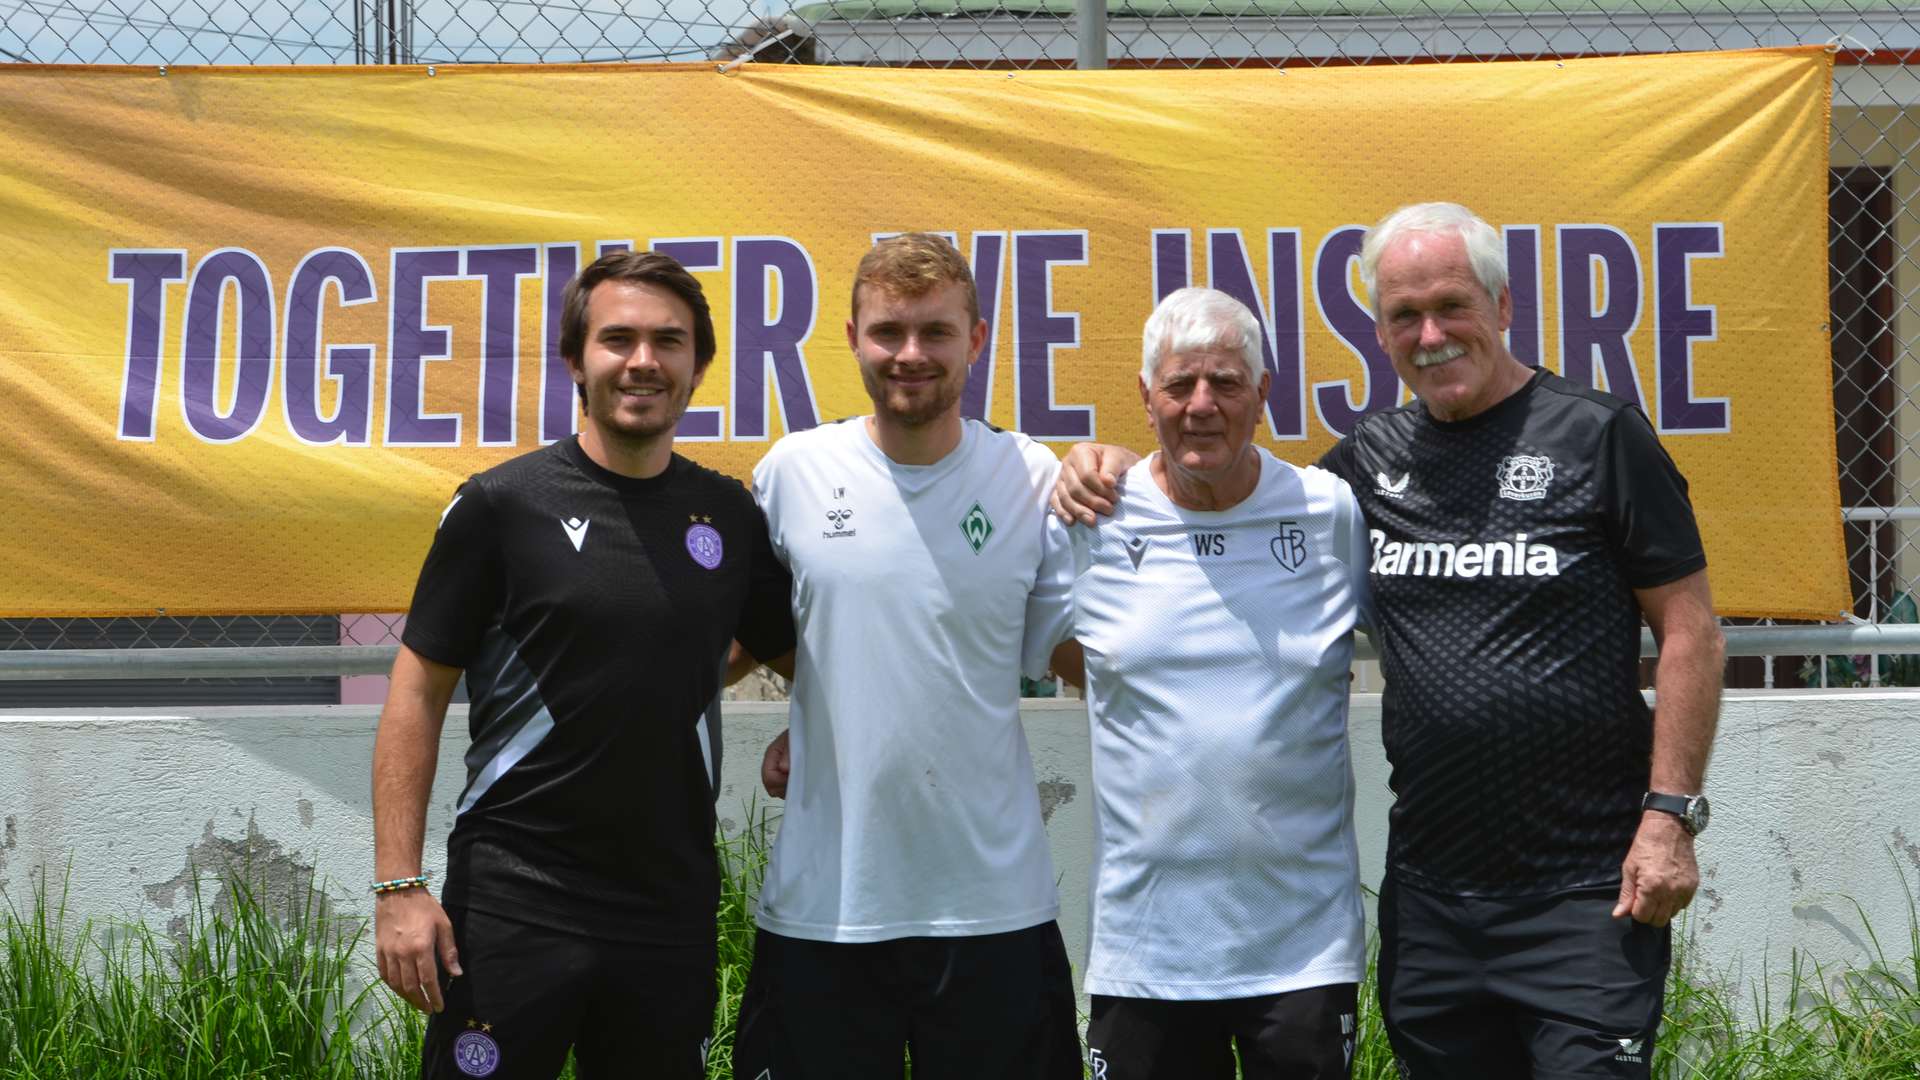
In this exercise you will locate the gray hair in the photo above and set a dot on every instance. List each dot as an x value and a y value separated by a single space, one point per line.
1485 251
1196 320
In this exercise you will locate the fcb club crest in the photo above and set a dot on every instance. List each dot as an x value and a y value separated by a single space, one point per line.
1289 546
1524 477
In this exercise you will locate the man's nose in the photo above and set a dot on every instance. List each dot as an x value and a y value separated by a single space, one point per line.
1201 400
1431 336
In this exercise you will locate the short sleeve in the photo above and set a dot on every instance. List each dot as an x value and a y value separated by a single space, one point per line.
766 493
1649 519
1340 460
1351 543
1050 603
458 595
766 623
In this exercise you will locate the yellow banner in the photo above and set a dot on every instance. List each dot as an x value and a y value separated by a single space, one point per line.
257 324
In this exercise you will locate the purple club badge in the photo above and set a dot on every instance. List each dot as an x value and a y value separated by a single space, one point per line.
476 1054
703 543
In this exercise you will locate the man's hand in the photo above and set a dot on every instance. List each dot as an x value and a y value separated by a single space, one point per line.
409 929
1090 482
1660 875
774 767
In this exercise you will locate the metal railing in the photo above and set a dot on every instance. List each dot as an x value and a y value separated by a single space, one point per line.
244 662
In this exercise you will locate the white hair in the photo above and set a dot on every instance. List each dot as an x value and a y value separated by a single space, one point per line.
1486 253
1198 320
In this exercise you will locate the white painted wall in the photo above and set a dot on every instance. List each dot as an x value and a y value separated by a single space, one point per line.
1817 809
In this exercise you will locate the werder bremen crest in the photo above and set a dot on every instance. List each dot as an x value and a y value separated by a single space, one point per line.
1524 477
976 527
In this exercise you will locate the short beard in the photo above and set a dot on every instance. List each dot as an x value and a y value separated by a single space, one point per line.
638 437
945 395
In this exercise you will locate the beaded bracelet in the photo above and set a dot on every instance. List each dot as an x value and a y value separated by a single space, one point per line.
397 884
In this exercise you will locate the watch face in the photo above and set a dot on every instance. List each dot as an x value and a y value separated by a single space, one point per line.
1698 811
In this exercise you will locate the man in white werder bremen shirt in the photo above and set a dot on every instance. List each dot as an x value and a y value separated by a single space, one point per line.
909 902
1215 611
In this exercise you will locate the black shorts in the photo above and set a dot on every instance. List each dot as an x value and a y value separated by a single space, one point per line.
966 1008
1299 1035
1553 986
529 994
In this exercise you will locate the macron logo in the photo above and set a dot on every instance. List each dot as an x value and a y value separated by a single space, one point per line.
576 531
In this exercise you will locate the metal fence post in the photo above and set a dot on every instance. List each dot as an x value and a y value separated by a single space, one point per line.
1090 28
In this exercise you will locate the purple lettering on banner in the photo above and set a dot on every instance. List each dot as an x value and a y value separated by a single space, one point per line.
559 409
1282 338
146 273
200 345
412 344
1586 331
1523 281
989 256
1352 322
608 247
501 269
702 423
1172 261
350 366
1038 330
1678 324
756 342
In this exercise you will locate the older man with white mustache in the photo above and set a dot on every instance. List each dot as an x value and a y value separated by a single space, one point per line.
1521 527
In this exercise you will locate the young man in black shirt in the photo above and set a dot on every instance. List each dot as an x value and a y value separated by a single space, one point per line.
1521 527
589 591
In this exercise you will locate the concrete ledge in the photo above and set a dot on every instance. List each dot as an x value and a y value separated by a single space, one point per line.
1817 811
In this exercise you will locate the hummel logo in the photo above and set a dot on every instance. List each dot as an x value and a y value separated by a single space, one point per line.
839 517
576 531
1392 489
448 510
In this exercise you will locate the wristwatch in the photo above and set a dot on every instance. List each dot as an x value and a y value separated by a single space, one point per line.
1692 810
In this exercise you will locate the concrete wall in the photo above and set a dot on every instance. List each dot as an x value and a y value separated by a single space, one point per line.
1817 810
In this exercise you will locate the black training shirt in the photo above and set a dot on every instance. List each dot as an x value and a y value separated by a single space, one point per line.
1505 548
592 614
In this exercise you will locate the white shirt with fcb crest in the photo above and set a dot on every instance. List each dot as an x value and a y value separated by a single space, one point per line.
911 808
1217 650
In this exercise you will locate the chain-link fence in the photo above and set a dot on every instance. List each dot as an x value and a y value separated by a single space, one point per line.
1875 273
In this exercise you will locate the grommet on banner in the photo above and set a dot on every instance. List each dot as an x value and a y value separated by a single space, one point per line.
430 71
163 69
1841 41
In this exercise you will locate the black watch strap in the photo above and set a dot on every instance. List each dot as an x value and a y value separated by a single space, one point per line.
1690 809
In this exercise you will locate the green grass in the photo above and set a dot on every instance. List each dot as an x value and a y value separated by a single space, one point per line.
245 987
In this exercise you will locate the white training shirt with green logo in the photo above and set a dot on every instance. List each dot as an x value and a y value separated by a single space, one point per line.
1217 649
911 808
